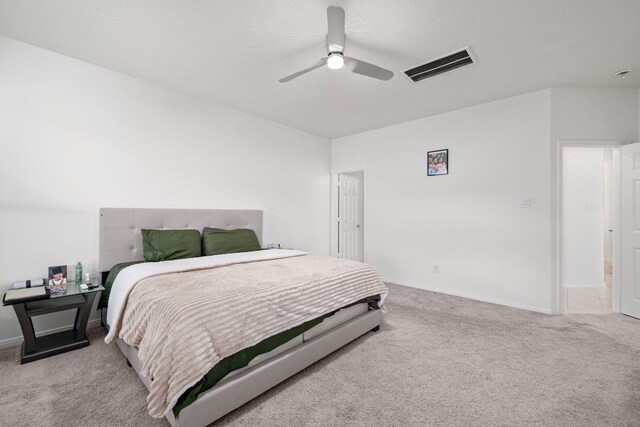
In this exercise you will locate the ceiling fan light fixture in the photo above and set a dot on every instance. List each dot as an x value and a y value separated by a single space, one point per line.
335 60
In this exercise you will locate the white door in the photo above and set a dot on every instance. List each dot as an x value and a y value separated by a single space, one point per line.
630 230
350 215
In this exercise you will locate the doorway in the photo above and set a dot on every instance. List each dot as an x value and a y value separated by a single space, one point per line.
587 216
349 221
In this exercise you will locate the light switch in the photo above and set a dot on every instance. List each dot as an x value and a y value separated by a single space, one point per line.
528 203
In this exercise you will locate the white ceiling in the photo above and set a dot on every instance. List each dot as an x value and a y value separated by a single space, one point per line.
234 52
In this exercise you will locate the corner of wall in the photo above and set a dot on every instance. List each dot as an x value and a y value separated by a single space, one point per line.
638 108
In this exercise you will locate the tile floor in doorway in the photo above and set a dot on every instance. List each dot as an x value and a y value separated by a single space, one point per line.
588 300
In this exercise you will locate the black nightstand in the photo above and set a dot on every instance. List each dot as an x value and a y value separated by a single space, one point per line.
34 348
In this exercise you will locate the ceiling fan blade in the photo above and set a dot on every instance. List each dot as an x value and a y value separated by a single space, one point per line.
320 63
361 67
335 36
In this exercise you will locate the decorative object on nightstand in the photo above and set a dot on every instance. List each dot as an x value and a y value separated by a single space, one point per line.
24 294
75 297
58 278
275 246
29 283
79 272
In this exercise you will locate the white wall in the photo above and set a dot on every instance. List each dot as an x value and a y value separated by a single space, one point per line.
582 217
594 114
75 138
469 222
586 117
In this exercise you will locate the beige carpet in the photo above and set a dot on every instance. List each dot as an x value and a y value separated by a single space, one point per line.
437 360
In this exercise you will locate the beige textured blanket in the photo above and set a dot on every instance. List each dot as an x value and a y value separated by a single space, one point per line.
184 323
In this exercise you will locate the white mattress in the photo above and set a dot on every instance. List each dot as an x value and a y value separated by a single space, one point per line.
338 318
264 356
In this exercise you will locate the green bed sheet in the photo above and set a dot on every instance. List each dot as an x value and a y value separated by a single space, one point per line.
115 270
240 360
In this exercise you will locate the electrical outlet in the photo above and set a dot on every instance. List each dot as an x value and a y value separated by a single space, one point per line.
436 268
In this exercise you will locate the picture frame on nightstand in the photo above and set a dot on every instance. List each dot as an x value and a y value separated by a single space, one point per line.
57 278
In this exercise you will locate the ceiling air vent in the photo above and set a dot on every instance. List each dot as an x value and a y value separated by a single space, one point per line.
440 65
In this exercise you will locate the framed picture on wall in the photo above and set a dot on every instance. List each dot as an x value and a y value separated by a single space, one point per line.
438 162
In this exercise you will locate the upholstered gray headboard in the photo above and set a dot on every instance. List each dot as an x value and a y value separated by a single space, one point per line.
121 238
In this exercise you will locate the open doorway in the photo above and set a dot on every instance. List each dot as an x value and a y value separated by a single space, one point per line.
587 230
349 219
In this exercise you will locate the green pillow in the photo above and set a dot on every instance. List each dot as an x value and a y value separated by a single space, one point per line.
216 241
163 245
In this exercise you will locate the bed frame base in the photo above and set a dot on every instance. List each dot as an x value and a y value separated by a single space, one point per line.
230 394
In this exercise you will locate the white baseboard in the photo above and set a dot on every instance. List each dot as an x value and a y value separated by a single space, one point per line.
537 309
10 342
584 285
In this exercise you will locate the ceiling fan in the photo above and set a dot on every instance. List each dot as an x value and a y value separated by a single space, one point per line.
335 58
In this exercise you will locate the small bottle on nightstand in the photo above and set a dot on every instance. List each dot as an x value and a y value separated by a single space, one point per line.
79 272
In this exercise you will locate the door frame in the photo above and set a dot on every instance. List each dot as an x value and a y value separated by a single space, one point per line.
334 209
557 300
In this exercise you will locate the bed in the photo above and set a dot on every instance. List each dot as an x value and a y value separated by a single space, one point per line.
347 313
